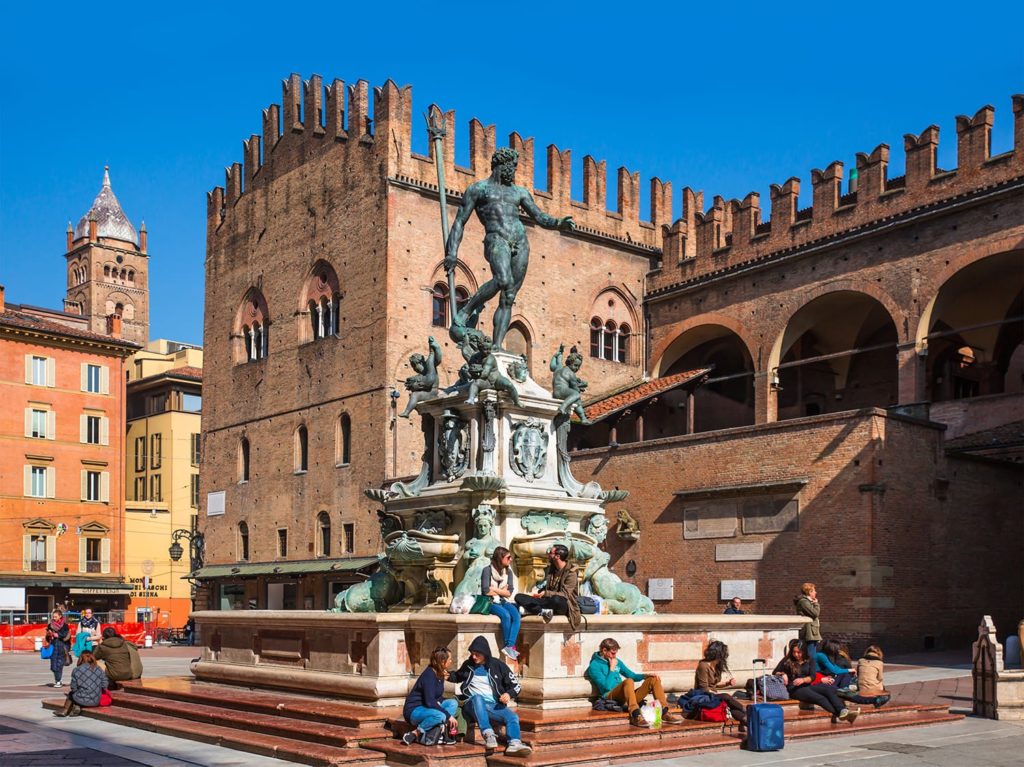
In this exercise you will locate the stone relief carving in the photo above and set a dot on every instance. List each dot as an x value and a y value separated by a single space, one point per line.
535 522
528 453
453 446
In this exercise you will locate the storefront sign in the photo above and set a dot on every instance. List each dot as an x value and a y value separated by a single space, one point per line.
96 590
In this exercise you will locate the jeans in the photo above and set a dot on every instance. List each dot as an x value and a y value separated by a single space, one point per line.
485 711
423 718
508 614
533 605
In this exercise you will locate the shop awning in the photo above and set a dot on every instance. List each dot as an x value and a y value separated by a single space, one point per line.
302 567
77 585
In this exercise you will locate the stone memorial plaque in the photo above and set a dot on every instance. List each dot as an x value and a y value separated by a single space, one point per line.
741 589
661 588
771 514
739 552
709 519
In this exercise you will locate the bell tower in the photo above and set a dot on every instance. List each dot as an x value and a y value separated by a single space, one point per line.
108 268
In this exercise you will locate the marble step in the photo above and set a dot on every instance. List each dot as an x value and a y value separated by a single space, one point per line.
281 704
287 749
271 724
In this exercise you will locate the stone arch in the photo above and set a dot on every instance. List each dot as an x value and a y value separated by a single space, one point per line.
519 340
838 351
463 276
666 351
319 310
613 322
970 334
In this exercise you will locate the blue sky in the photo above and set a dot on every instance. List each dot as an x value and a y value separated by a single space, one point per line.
727 98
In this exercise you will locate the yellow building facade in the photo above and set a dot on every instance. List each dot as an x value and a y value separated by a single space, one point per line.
164 405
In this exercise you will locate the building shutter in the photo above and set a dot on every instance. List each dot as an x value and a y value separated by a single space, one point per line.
104 430
26 552
105 555
104 379
105 486
85 376
83 428
51 482
51 372
28 422
51 424
28 480
82 551
28 368
51 553
85 484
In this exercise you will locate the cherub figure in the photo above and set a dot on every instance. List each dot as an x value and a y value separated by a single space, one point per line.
423 385
566 385
481 370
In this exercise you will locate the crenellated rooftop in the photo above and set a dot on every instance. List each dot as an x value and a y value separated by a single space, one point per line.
732 232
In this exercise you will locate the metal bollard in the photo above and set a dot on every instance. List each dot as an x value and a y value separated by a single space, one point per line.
148 642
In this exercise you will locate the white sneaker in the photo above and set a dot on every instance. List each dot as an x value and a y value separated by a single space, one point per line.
547 615
58 684
490 741
517 747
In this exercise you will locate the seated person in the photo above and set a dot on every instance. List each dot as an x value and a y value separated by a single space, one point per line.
558 597
425 706
486 687
120 656
499 583
798 674
709 675
615 681
870 673
88 681
829 661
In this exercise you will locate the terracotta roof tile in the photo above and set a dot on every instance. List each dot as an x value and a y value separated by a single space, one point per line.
13 318
1007 435
186 371
623 399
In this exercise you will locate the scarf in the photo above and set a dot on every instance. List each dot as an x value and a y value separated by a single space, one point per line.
56 626
499 580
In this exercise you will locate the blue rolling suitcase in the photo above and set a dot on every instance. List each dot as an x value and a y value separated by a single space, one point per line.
764 720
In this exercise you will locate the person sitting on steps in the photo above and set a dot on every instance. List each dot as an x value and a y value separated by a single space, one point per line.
798 673
425 706
88 681
499 583
487 687
615 681
558 597
708 677
829 662
870 678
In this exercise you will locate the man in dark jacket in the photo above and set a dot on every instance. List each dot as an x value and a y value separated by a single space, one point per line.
735 607
487 686
558 597
120 656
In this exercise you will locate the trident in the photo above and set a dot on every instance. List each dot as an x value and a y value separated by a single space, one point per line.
436 131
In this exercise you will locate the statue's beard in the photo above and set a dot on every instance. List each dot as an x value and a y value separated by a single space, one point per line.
507 174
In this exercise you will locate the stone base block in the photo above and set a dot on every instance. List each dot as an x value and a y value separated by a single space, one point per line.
374 659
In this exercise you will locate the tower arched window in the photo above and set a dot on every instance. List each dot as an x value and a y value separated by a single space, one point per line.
439 303
343 441
301 449
243 542
622 347
320 304
596 337
243 460
106 272
611 336
323 524
252 328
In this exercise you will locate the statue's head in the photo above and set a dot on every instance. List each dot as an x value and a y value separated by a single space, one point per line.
505 159
483 519
574 361
418 362
597 527
484 343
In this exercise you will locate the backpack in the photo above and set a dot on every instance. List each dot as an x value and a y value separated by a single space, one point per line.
713 714
433 736
587 605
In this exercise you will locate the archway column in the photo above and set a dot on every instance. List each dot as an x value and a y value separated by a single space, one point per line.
911 372
766 398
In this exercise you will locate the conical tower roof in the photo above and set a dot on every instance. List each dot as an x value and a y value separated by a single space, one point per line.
110 219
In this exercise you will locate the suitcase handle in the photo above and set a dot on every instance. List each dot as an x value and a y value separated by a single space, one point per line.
764 677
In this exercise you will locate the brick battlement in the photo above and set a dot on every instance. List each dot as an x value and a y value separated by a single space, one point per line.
312 119
732 232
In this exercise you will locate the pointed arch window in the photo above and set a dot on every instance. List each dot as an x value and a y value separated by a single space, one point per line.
252 328
323 525
439 303
301 450
321 304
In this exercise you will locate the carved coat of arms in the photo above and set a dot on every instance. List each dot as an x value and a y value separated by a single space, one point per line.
528 453
453 446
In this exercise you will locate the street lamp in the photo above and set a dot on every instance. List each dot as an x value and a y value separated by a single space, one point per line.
195 548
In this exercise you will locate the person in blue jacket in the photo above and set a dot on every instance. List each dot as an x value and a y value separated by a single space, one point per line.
615 681
829 662
425 706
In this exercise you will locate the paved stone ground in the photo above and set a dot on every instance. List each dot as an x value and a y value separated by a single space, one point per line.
31 736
